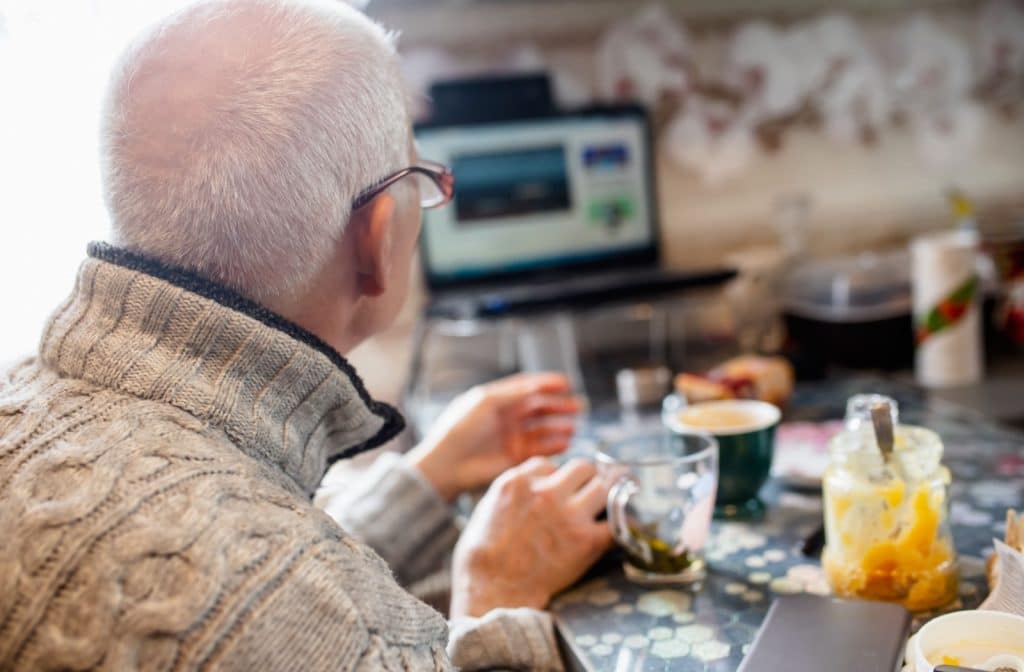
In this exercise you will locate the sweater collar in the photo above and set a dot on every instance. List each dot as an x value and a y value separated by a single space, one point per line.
165 334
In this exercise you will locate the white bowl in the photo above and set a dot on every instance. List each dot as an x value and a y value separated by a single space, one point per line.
994 629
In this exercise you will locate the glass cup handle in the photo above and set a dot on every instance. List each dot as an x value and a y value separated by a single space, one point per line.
618 498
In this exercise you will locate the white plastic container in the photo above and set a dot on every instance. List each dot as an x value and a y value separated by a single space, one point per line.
972 637
941 265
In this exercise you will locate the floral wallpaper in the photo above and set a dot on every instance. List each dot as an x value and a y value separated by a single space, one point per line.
831 70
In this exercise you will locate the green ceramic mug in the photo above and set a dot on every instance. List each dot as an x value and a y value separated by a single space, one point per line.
745 430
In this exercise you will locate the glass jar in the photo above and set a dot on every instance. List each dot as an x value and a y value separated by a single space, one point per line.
887 521
858 410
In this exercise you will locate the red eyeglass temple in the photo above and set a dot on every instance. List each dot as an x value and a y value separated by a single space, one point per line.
440 174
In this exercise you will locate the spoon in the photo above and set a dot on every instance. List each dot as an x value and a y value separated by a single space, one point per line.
881 418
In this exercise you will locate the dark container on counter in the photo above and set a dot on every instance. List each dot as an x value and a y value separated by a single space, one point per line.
852 312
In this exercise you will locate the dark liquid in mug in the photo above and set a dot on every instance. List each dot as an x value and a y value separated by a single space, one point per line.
663 558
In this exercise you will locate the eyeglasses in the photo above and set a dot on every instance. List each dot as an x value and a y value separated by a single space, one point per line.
435 181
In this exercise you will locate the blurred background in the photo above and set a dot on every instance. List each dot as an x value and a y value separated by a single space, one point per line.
789 135
803 143
868 109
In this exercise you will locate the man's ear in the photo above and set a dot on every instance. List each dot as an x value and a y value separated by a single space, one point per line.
370 228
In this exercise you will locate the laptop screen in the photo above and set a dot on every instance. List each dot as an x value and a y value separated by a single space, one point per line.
539 195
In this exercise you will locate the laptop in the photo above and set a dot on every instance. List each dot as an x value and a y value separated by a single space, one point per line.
553 212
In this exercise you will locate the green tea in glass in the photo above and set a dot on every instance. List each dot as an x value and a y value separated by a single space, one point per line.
661 505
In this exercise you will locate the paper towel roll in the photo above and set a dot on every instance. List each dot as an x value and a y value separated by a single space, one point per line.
946 309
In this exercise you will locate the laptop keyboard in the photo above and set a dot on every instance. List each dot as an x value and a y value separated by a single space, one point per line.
570 292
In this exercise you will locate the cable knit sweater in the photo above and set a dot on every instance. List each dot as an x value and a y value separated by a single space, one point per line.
156 464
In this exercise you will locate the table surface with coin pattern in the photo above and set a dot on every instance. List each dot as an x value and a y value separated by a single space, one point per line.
607 623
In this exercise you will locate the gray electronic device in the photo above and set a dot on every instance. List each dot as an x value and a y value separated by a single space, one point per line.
554 212
807 633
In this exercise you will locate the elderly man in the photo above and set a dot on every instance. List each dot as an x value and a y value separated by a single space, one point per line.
158 456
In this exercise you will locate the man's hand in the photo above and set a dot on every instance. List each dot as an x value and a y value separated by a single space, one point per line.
493 427
532 535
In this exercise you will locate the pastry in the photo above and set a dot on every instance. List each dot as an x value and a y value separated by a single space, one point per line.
769 379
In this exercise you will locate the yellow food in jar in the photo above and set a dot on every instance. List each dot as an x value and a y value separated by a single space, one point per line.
893 493
841 506
915 566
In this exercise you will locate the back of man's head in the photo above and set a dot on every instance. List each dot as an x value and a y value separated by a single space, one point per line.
237 133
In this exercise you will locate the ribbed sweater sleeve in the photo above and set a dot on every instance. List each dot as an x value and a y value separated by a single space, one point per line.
394 511
505 639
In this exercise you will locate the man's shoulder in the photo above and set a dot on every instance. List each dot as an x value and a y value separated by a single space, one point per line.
129 517
52 422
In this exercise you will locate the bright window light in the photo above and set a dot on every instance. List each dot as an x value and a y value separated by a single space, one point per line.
54 59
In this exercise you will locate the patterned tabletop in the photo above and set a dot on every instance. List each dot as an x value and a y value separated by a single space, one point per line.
608 623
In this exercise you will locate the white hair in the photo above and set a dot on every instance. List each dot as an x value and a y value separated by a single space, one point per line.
236 134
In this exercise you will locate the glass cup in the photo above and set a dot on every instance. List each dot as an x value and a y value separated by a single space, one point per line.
661 505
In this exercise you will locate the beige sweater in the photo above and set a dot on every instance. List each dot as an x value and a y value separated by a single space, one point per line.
156 464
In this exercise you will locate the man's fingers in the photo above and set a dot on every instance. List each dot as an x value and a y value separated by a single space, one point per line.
571 477
593 497
544 437
536 466
549 445
514 388
555 424
546 443
548 404
603 538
